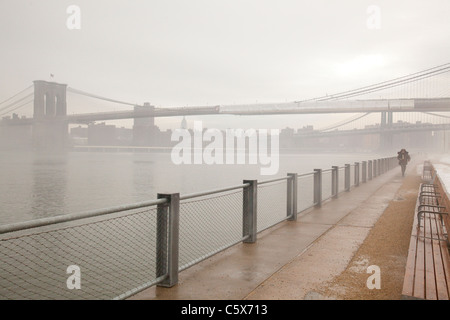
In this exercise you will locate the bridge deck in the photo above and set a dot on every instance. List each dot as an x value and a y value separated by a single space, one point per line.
310 107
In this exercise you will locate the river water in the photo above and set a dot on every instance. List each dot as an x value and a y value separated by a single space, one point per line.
35 186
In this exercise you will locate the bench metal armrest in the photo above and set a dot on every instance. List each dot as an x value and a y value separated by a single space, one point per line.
421 212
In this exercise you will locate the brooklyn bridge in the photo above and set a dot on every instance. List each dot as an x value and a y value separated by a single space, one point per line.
410 110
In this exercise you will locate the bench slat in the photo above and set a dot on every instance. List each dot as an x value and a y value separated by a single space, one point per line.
419 272
430 279
439 257
410 270
408 283
446 264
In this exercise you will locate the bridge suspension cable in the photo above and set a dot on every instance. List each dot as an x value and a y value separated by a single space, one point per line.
437 115
344 122
91 95
12 97
17 107
414 77
389 84
14 102
14 105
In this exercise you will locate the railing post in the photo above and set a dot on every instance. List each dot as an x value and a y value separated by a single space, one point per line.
167 239
335 181
292 197
356 174
364 172
369 170
347 177
249 226
318 187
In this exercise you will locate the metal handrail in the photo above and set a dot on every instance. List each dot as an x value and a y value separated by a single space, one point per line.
206 193
274 180
305 174
76 216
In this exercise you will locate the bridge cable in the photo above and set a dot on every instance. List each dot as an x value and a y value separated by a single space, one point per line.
388 82
16 102
16 94
371 88
437 115
344 122
387 86
17 107
91 95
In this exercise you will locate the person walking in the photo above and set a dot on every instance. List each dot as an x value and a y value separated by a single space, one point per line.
403 158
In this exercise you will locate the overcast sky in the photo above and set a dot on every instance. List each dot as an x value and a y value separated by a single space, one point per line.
209 52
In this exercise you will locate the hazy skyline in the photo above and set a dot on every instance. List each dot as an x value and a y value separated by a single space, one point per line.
188 53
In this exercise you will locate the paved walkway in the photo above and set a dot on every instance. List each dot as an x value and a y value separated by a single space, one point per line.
291 259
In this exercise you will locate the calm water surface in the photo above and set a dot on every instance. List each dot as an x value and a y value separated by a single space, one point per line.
36 186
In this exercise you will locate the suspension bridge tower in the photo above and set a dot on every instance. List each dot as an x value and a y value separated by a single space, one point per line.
386 135
50 126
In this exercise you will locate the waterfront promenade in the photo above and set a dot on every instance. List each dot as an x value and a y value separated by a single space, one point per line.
302 259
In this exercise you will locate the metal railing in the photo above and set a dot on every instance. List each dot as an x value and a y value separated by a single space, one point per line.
123 250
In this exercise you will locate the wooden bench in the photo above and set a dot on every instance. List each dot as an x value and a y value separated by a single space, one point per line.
427 173
427 274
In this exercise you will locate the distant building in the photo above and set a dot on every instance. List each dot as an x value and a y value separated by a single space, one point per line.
287 138
79 135
124 136
79 132
102 135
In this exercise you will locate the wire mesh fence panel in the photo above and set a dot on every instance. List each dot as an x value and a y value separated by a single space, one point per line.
272 204
341 182
352 175
208 224
327 185
305 192
113 255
